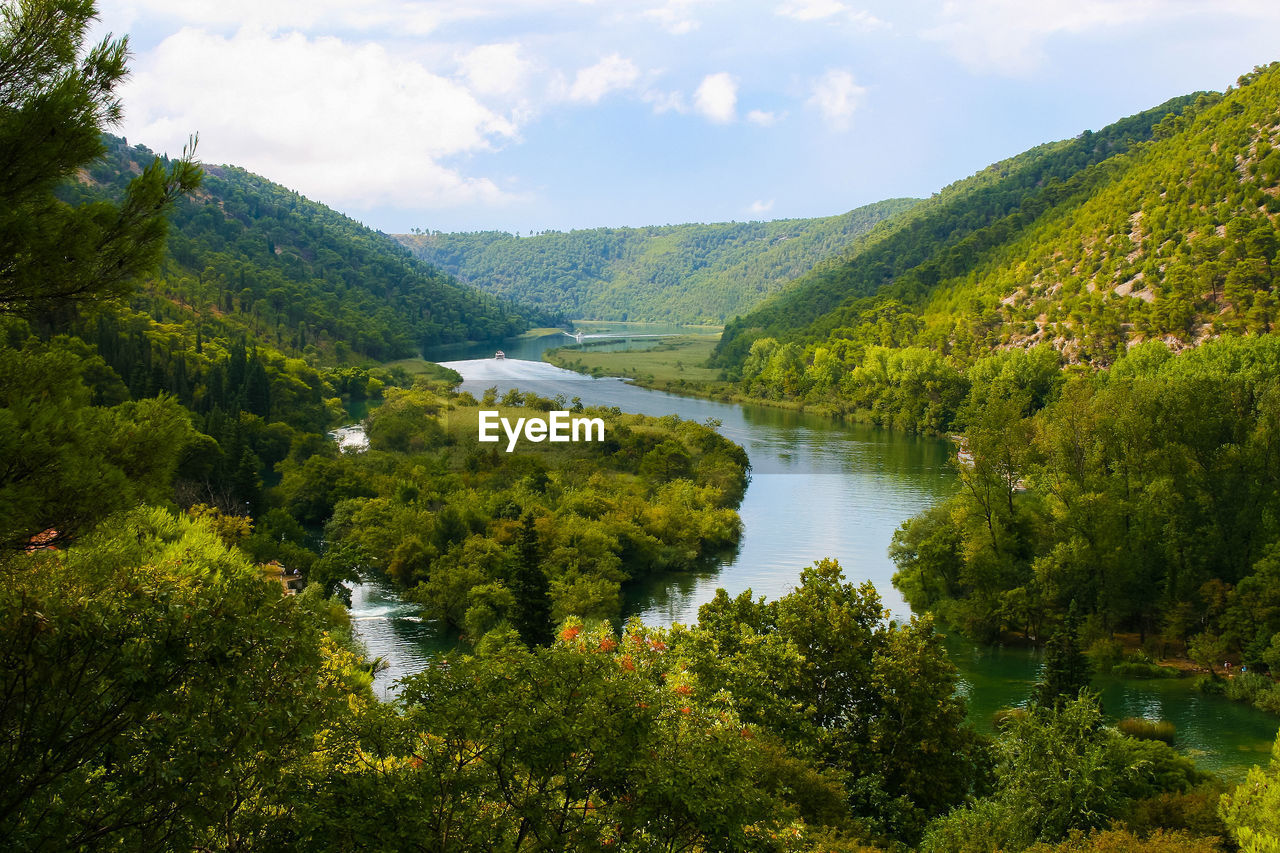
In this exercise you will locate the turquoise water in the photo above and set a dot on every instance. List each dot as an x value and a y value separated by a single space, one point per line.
1223 736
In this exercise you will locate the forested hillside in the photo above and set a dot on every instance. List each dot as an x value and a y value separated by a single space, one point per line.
164 467
1103 350
1171 238
265 261
877 293
673 273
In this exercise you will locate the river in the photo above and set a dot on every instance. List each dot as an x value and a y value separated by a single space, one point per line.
818 489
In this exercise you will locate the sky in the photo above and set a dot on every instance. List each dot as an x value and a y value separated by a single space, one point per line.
528 115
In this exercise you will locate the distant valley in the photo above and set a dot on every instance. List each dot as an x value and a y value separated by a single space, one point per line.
691 273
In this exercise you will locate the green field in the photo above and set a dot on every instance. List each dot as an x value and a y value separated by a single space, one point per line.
675 364
418 367
540 332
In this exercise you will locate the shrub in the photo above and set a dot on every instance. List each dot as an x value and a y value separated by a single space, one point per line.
1269 699
1144 729
1104 654
1118 840
1246 686
1209 685
1138 669
1003 716
1194 811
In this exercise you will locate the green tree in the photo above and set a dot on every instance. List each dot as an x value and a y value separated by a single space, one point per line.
595 743
70 464
56 99
1066 671
1252 811
1058 770
156 691
532 616
341 562
1208 650
870 700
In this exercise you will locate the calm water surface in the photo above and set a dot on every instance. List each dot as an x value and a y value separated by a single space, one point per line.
818 489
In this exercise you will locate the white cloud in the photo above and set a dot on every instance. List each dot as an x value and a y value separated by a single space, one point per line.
821 10
837 96
811 10
666 102
675 16
495 69
763 118
399 16
610 74
865 21
717 97
1008 36
347 124
760 207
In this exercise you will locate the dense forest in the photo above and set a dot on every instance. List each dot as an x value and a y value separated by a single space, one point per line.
672 273
258 259
1161 226
1100 352
1144 495
160 691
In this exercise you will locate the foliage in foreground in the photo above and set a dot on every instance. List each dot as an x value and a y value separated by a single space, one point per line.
159 694
153 688
1059 770
1252 811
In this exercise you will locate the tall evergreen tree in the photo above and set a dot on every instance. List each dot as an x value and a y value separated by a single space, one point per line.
257 387
1066 670
529 585
56 99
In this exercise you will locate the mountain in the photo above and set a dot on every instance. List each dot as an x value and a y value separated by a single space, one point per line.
294 274
958 258
673 273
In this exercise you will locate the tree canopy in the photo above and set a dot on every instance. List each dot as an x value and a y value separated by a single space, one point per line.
56 98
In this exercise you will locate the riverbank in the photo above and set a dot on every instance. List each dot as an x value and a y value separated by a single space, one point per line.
676 365
669 364
1222 736
811 476
673 366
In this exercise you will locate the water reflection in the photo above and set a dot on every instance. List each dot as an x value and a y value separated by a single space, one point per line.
818 489
1223 736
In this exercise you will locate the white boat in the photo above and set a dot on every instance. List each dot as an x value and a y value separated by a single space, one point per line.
499 355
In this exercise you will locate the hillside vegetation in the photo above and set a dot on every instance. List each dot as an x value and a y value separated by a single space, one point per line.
1161 226
262 260
894 270
1097 330
674 273
161 691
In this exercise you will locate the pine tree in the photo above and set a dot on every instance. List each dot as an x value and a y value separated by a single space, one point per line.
56 99
248 480
257 387
529 585
1066 670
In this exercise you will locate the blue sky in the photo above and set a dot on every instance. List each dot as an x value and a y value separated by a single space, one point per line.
525 115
